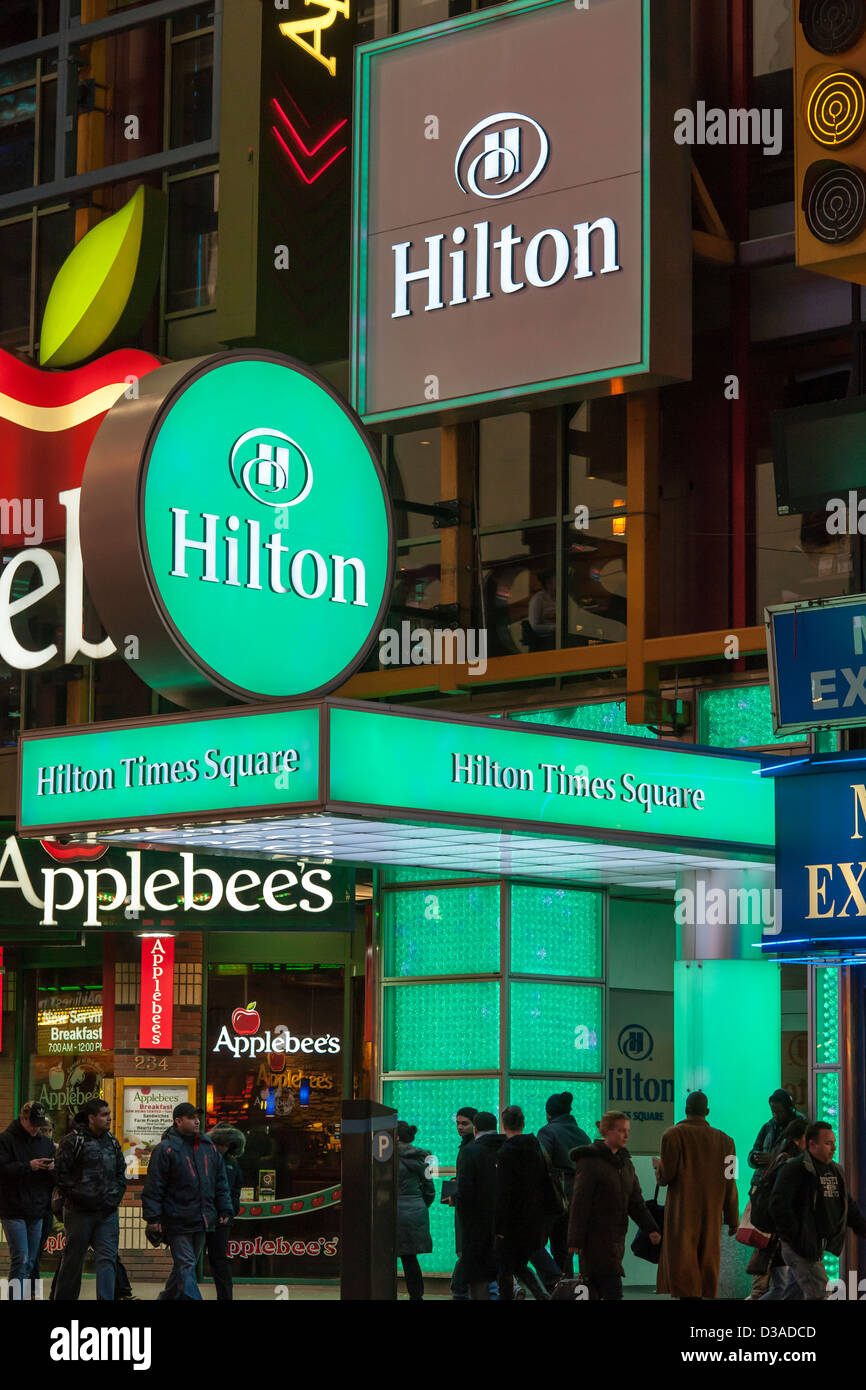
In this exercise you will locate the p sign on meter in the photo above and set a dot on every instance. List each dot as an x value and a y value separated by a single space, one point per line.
383 1145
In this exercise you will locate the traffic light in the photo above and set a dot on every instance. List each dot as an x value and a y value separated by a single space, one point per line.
830 139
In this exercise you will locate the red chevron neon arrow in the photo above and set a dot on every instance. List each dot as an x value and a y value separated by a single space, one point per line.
301 146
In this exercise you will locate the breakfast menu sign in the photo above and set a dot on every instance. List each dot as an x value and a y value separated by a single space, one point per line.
145 1110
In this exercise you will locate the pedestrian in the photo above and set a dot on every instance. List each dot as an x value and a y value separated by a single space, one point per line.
767 1264
185 1195
605 1193
558 1138
26 1182
811 1209
91 1176
526 1203
415 1194
783 1111
230 1143
46 1129
476 1206
697 1164
465 1128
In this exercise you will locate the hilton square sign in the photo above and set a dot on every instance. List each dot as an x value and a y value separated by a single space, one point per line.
522 215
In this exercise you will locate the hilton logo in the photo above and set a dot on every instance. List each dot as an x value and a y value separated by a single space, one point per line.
265 461
490 161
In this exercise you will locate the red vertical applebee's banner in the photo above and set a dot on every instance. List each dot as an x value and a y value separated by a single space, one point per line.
157 993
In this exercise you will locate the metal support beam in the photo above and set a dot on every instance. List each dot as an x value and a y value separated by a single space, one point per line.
643 555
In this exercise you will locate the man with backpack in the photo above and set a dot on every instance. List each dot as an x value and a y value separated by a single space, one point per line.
91 1176
811 1209
186 1194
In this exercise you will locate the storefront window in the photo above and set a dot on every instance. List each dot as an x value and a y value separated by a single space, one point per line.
67 1066
191 91
285 1100
15 256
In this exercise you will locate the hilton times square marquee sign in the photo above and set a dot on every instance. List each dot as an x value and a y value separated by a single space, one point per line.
522 212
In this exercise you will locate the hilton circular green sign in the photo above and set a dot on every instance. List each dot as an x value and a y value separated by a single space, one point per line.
236 531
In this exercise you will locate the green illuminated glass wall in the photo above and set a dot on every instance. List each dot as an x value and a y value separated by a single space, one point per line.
493 994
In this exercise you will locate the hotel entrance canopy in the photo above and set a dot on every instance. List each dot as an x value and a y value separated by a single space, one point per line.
381 785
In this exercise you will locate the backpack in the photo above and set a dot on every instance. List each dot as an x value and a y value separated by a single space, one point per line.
760 1213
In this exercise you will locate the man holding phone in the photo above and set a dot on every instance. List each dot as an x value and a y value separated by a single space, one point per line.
26 1182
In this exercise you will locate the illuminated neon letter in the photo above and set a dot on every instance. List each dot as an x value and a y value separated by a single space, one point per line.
296 27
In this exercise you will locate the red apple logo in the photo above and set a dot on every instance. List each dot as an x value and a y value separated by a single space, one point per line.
246 1021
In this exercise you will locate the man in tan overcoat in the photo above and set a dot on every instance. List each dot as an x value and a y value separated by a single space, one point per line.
696 1165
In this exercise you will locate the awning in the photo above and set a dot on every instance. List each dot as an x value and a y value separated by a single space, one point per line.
355 783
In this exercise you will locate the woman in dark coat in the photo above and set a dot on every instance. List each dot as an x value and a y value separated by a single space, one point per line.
415 1193
606 1193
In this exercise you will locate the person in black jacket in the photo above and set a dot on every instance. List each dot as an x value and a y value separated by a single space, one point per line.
91 1175
415 1195
476 1205
185 1195
26 1180
558 1138
230 1143
811 1210
783 1111
525 1205
606 1192
464 1120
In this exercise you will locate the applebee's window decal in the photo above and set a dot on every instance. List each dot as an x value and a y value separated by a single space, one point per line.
248 1042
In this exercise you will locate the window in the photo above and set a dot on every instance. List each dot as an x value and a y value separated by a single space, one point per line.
192 242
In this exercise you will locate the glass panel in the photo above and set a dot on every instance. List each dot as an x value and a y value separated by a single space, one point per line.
596 578
797 558
826 1017
596 441
556 1027
22 71
556 931
191 91
447 1027
795 1042
598 719
15 255
404 875
416 582
532 1095
18 19
67 1064
739 718
47 131
17 138
433 1105
520 590
826 741
773 41
827 1098
198 19
517 467
373 19
55 238
192 243
450 932
414 475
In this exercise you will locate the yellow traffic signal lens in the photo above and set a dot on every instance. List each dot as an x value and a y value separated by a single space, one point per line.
836 109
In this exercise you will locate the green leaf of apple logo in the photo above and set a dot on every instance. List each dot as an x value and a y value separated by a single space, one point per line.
104 287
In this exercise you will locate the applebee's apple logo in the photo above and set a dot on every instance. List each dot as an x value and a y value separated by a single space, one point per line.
266 464
246 1023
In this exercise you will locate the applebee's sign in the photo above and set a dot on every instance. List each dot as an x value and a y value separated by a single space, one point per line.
246 1023
157 993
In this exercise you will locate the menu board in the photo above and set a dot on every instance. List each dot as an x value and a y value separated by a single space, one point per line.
145 1113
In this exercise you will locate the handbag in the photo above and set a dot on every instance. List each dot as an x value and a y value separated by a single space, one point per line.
642 1246
747 1234
572 1290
